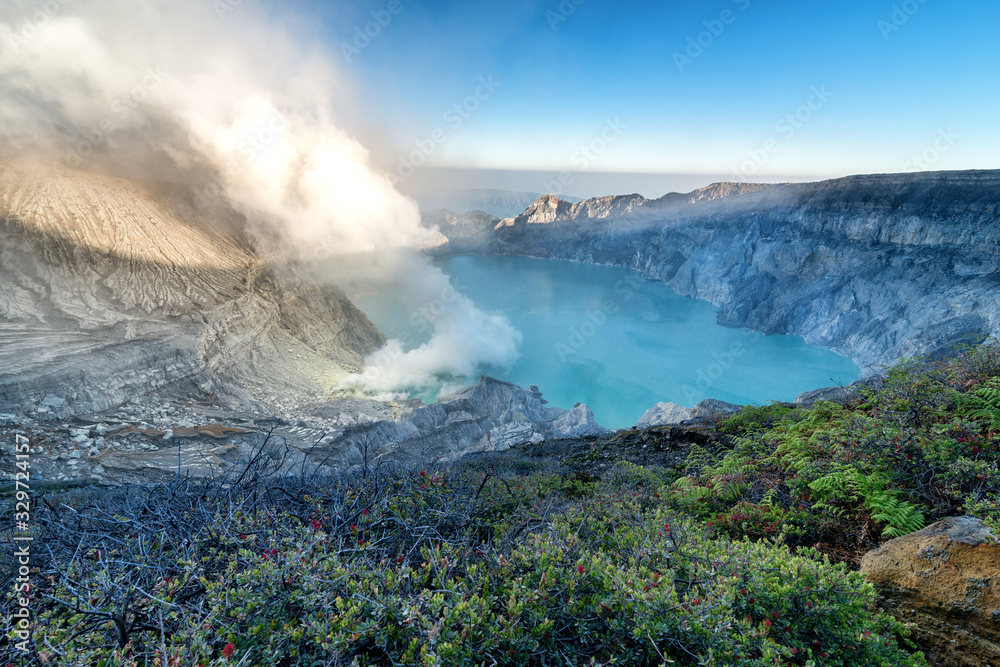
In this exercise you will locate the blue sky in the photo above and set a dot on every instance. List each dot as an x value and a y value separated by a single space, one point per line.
873 84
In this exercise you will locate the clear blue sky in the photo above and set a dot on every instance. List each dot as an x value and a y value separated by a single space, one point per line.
899 80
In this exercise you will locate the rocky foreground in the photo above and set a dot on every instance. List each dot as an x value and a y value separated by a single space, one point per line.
145 440
944 579
876 267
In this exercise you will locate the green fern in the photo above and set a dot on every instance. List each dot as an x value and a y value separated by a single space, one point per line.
847 484
770 498
752 419
734 463
983 403
841 484
901 517
689 490
794 453
699 459
801 442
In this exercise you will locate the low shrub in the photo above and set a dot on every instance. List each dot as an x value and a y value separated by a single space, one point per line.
436 568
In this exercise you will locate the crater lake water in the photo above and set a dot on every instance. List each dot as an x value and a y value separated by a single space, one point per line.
607 337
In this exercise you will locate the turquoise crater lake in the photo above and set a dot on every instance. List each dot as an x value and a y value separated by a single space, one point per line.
607 337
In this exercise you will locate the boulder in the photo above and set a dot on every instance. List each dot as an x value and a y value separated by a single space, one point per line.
663 414
711 406
834 394
945 579
576 423
488 416
53 401
841 394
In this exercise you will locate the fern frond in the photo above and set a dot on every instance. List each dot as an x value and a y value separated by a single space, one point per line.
983 403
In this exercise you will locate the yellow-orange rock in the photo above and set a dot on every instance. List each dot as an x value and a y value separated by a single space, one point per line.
945 579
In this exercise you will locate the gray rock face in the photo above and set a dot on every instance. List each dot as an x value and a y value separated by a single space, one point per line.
489 416
550 208
146 440
179 348
663 414
576 423
110 289
712 406
834 394
874 267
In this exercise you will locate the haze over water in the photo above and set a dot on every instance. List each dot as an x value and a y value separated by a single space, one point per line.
607 337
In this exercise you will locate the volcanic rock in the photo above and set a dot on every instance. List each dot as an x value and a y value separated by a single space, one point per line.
945 579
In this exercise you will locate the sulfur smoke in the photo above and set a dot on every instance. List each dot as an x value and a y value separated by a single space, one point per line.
465 339
222 96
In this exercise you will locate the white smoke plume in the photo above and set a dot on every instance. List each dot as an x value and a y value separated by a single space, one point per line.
465 339
231 102
112 80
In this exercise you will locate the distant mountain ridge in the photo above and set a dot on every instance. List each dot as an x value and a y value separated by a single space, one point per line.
510 203
719 190
550 208
500 203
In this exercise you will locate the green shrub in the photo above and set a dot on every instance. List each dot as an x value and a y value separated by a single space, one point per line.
397 570
920 445
755 418
639 589
982 404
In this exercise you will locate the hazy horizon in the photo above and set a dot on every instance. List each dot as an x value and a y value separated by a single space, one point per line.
583 185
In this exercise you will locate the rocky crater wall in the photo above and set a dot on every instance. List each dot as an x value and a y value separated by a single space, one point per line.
875 267
110 289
